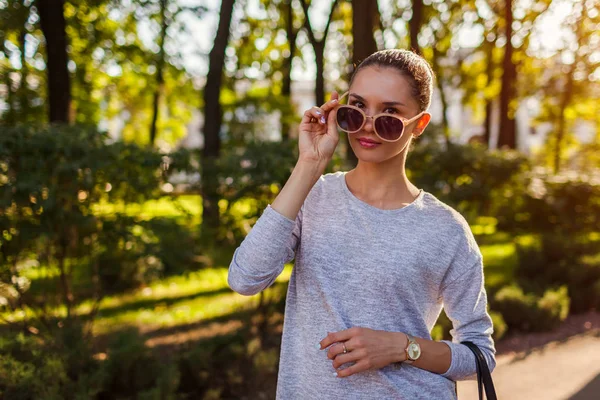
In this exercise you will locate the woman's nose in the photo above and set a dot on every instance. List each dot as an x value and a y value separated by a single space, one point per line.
368 124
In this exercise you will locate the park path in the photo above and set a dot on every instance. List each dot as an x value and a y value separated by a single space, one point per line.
566 369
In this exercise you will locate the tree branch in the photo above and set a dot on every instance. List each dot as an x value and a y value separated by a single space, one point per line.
333 5
309 30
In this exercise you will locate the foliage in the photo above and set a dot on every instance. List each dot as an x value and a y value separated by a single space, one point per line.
137 252
443 326
230 366
51 178
467 177
28 372
527 312
557 204
562 259
250 177
133 369
500 326
61 365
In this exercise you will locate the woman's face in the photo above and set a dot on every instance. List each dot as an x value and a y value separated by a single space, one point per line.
378 90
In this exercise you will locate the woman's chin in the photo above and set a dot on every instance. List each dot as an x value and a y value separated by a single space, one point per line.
368 155
376 155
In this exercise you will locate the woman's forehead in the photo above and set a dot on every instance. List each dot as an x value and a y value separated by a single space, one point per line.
382 85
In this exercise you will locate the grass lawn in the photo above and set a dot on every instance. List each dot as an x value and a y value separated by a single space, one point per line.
187 206
181 300
175 301
201 296
204 295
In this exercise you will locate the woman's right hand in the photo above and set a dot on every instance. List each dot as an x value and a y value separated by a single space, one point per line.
318 135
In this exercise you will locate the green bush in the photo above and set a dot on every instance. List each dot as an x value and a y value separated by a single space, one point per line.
132 369
26 372
135 252
55 364
470 178
555 259
51 180
442 327
249 179
528 313
60 365
555 307
500 326
557 204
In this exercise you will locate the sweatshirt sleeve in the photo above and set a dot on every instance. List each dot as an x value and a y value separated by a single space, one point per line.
465 302
261 256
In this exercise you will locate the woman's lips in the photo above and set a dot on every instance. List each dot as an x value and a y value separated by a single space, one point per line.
367 143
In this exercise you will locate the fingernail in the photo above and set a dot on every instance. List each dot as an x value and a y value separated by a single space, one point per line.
335 374
318 112
334 100
319 346
323 119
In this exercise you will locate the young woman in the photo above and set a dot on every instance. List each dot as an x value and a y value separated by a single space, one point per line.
376 258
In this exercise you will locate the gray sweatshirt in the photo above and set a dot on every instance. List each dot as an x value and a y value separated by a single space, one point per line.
358 265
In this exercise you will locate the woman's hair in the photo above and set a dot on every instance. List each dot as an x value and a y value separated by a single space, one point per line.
411 65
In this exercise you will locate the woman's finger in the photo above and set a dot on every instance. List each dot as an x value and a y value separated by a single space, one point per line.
356 368
331 103
335 350
341 359
315 113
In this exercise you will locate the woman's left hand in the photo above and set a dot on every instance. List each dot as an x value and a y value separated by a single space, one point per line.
367 348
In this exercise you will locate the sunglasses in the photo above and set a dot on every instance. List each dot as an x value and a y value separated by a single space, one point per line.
387 127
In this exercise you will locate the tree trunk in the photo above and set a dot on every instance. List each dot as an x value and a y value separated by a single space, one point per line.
560 133
364 22
286 90
213 118
52 21
320 81
9 116
567 94
65 280
160 66
365 19
445 124
319 49
415 25
507 136
23 96
438 72
487 132
488 102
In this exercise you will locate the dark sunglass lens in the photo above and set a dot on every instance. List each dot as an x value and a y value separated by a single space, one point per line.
389 128
349 120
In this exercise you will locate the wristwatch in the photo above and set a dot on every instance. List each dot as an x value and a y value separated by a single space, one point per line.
413 350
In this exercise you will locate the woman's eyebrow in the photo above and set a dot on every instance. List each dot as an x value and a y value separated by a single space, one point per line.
393 103
385 103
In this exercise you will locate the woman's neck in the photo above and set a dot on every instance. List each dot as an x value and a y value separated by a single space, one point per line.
383 185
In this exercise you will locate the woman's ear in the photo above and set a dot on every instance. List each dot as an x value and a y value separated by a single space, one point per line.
421 124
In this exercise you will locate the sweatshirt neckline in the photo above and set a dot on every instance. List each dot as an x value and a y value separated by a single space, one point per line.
366 206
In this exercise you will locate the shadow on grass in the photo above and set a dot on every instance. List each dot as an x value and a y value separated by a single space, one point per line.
273 303
204 329
47 289
150 303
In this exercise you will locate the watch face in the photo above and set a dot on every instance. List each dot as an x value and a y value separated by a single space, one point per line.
414 351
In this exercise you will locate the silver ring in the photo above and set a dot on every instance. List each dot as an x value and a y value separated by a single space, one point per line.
345 350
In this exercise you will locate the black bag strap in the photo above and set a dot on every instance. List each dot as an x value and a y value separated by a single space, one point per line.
483 373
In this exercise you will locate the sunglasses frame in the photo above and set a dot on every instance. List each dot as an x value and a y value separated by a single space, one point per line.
404 121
